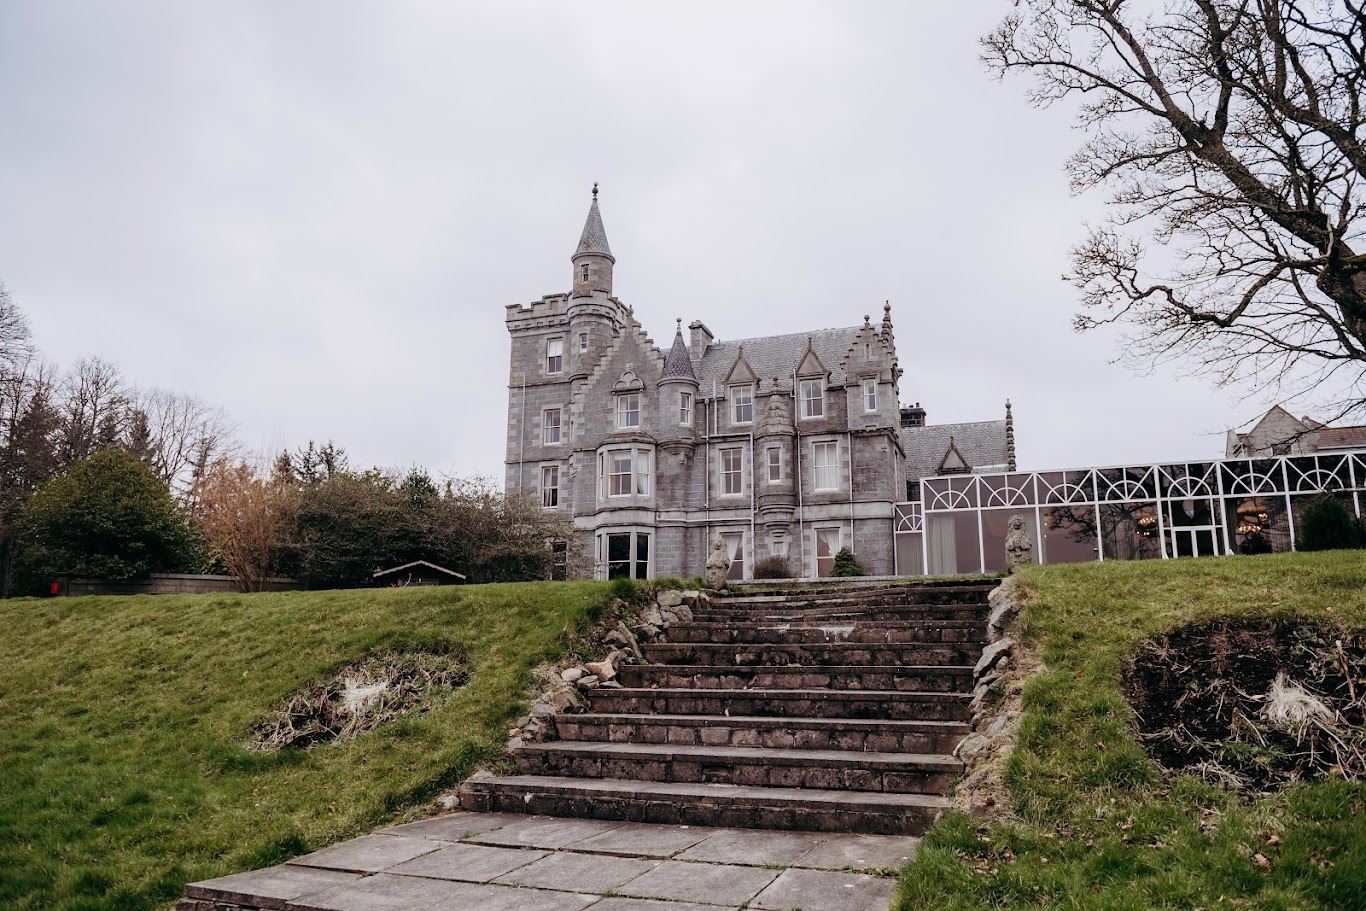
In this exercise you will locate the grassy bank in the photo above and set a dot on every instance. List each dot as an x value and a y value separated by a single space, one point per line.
122 772
1098 826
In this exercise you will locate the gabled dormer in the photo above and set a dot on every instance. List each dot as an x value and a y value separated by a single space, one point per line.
812 380
740 388
953 461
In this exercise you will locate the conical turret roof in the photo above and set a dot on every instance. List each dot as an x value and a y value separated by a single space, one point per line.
594 238
678 363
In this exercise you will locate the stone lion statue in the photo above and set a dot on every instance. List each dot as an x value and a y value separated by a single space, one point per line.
718 565
1019 547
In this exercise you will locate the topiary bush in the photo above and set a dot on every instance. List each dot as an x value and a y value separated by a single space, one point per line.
1328 525
774 567
845 564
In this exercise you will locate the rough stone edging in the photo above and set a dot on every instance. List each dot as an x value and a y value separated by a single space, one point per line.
998 679
621 643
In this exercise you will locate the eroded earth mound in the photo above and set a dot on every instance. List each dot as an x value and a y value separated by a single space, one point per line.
359 697
1253 704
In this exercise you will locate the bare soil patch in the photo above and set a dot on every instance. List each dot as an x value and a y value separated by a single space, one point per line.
1253 704
359 697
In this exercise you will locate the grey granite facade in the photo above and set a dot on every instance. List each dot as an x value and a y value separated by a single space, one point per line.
790 445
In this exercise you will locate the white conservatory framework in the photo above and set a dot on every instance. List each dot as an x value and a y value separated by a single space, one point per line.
1134 512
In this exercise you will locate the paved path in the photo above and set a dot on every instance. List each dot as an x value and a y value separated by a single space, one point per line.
506 862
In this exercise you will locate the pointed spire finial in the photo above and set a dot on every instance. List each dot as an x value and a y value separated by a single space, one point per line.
1010 438
680 325
595 189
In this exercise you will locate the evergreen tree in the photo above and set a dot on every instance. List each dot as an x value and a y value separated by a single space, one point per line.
1328 525
109 517
845 564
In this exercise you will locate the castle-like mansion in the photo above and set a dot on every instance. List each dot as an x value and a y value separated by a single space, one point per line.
791 445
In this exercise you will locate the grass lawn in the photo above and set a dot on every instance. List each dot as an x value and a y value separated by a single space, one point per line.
122 772
1098 825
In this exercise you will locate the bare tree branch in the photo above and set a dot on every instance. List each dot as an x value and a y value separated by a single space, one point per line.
1230 133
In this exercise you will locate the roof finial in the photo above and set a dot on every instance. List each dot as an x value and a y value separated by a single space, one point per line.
595 189
680 325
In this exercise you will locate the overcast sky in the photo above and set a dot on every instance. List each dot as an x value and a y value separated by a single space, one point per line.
313 214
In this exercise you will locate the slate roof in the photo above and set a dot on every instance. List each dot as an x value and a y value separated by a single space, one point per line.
1342 438
776 355
678 364
594 237
981 443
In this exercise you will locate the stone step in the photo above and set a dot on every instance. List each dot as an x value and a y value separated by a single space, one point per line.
824 654
852 630
775 703
736 806
893 773
898 594
857 734
907 612
933 678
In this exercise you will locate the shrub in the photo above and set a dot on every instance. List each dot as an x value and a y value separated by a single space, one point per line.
845 564
774 567
1327 525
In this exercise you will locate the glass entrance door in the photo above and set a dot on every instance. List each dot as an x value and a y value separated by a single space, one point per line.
1196 541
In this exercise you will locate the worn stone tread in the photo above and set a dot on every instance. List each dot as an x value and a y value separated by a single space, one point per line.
725 794
765 755
768 721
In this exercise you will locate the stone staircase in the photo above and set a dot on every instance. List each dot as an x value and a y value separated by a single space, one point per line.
835 710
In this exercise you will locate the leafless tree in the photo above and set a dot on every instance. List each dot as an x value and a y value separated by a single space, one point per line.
95 406
1230 136
186 437
247 517
16 338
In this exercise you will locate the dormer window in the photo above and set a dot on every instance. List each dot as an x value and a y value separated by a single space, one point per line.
812 398
870 395
554 355
742 404
628 411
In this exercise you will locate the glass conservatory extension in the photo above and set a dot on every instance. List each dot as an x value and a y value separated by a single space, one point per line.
1135 512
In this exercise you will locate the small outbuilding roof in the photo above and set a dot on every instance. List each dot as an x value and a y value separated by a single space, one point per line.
398 569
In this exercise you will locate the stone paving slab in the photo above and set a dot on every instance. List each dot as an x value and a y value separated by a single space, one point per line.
508 862
753 847
678 880
545 832
568 872
270 888
860 852
646 904
392 893
454 826
369 854
641 839
468 863
821 890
